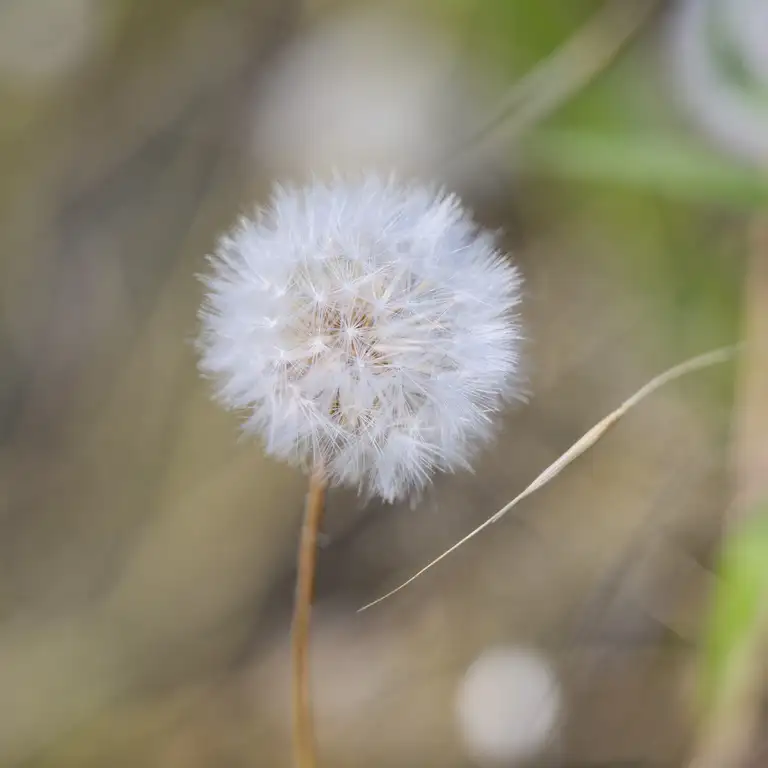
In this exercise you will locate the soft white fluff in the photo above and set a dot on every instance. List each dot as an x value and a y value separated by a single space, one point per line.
367 328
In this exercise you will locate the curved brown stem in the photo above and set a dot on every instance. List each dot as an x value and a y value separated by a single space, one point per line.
303 727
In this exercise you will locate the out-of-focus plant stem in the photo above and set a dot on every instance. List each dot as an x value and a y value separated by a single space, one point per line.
730 732
750 444
563 74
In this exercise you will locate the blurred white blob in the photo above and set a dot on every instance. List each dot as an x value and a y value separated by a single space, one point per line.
748 22
366 89
508 705
352 667
719 52
44 40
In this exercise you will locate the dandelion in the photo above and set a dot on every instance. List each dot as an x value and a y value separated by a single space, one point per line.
367 331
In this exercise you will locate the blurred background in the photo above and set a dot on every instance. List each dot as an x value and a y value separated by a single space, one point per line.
147 552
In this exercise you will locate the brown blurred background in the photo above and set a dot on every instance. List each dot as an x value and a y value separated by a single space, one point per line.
146 552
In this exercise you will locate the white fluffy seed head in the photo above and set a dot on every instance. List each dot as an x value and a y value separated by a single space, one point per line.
365 327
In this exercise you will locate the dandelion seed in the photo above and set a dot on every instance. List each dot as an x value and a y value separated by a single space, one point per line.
365 328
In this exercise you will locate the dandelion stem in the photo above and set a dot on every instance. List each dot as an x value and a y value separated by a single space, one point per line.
303 728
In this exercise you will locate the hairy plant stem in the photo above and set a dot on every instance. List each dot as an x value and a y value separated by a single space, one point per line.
303 726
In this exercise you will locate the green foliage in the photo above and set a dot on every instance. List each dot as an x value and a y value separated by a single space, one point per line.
664 163
515 34
740 601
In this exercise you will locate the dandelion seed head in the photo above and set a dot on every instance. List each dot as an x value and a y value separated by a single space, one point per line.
366 327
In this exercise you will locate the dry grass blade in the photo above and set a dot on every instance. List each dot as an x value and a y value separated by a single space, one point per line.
585 442
565 72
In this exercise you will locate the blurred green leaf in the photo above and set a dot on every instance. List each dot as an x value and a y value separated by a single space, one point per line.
667 164
514 36
739 602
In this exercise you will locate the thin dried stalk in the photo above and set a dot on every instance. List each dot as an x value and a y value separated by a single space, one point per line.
303 725
563 74
580 446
